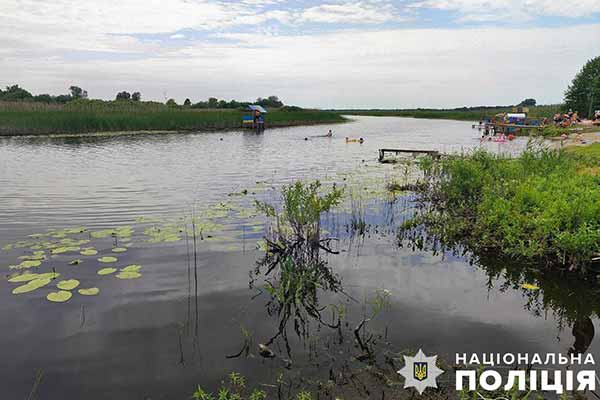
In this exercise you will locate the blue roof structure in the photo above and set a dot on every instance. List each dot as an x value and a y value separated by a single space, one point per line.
257 108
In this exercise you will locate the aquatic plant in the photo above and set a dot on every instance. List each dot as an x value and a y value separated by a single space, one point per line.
292 266
89 292
107 271
235 389
68 284
94 119
538 207
59 297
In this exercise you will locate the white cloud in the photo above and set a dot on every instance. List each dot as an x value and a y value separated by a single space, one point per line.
389 68
511 10
351 12
177 36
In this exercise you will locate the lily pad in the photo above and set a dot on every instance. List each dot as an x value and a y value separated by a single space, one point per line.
33 257
59 297
131 268
107 271
65 249
119 250
108 259
90 251
27 264
31 286
128 275
89 292
530 286
29 276
75 262
68 284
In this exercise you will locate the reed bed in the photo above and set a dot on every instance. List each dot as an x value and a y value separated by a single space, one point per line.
26 118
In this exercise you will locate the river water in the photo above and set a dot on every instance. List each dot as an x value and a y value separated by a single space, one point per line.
162 334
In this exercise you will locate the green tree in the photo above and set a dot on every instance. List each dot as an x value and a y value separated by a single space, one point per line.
187 103
123 96
583 94
78 93
213 102
15 93
528 103
136 96
171 103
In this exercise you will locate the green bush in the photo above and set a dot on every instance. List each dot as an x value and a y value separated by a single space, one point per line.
542 206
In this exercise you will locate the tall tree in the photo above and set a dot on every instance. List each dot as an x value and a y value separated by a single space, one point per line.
187 102
171 103
78 93
15 93
136 96
123 96
213 102
583 94
528 103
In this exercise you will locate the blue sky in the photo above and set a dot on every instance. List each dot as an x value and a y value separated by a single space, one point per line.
364 53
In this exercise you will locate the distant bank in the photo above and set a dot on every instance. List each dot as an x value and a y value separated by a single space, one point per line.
44 119
459 114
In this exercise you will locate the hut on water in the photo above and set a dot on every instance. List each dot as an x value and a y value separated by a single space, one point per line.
256 119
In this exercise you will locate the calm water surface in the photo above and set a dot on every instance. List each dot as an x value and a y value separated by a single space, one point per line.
158 336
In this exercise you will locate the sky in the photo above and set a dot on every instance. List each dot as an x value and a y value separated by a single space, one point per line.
331 54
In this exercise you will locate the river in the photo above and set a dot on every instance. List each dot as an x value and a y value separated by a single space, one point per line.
159 336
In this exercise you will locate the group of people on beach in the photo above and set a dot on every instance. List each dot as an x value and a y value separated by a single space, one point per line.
567 119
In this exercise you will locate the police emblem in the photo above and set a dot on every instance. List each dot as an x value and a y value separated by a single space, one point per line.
420 372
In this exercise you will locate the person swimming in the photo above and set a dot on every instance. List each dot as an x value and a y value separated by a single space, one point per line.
329 134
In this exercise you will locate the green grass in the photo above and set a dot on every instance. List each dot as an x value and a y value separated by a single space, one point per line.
97 116
472 114
543 207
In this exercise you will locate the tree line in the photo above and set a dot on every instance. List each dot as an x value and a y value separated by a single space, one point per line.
17 93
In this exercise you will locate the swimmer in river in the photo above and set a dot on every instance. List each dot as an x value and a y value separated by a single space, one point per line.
329 134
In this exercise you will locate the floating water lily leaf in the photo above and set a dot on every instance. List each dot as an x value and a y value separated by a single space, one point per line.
26 277
75 262
29 276
108 259
166 233
119 250
65 249
128 275
79 229
59 297
34 257
90 251
69 284
7 247
530 286
107 271
132 268
27 264
89 292
31 286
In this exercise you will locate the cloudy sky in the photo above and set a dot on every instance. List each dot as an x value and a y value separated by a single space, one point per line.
363 53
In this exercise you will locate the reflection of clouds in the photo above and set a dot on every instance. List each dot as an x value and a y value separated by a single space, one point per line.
438 296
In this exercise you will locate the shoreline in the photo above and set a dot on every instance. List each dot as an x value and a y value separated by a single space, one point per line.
107 133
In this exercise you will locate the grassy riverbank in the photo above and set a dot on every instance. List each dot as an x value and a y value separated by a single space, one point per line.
460 114
93 116
543 207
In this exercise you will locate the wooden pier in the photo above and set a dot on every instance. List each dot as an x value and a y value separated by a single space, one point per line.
432 153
